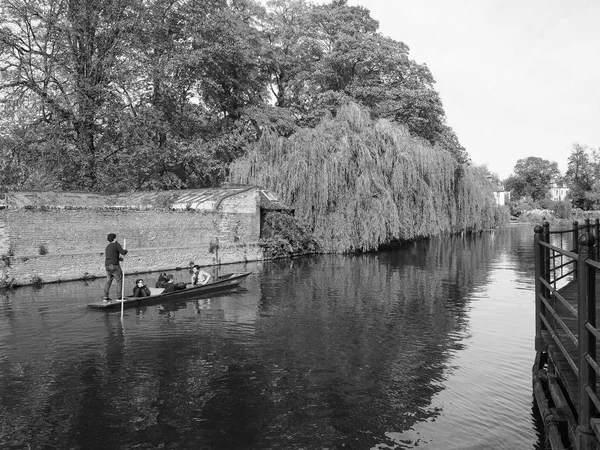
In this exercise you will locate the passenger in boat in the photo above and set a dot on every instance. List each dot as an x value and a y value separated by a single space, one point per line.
113 254
140 289
172 286
199 276
162 280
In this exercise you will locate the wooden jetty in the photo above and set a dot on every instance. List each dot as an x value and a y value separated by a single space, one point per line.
566 369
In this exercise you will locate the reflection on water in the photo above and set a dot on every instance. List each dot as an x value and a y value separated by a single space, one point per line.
427 346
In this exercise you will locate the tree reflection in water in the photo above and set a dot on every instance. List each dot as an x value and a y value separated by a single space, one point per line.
319 352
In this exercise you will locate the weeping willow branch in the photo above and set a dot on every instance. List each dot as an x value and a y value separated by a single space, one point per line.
360 184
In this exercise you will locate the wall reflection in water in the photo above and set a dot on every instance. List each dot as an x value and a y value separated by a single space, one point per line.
320 352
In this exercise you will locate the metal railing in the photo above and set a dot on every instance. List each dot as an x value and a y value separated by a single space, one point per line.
556 267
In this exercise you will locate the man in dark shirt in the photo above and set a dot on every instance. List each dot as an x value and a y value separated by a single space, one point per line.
113 269
172 286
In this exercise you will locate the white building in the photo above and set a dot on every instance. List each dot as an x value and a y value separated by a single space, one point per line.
558 192
500 194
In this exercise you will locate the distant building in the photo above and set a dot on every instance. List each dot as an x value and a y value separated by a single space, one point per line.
500 194
558 192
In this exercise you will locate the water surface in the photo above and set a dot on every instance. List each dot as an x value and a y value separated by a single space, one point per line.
427 346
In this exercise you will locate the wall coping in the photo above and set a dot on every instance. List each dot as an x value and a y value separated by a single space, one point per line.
99 208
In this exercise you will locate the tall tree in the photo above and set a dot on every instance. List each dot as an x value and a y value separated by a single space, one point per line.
580 175
58 58
532 176
327 55
154 94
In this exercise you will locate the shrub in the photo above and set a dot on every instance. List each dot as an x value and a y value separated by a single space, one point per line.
37 281
563 209
286 236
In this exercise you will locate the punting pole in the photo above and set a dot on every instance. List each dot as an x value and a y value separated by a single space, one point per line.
123 280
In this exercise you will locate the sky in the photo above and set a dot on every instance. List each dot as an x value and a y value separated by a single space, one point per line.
517 78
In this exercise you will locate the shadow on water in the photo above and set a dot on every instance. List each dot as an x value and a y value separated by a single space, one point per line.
320 352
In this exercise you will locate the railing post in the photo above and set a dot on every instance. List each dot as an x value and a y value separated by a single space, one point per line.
586 300
546 254
539 253
575 244
597 235
587 225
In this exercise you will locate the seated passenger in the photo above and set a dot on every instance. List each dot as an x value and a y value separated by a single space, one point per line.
172 286
162 280
199 276
140 289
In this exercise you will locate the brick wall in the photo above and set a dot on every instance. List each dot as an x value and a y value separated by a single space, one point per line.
66 244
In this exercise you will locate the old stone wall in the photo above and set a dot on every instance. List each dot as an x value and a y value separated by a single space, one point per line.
52 244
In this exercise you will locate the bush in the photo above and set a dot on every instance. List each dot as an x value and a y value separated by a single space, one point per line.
562 209
536 215
37 281
285 236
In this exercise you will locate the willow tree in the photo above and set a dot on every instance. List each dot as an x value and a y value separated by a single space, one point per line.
360 184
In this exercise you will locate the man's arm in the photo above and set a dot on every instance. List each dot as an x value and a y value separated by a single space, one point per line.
120 249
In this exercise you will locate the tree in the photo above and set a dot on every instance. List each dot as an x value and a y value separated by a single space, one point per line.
199 69
532 177
328 55
127 94
360 184
580 176
164 94
58 58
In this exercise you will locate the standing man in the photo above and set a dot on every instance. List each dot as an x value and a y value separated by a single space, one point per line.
113 269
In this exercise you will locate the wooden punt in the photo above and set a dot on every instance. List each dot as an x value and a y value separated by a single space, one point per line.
221 283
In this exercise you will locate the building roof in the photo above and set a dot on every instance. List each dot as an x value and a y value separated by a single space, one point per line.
208 199
269 201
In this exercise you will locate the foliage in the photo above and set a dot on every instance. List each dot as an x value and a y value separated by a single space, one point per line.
122 95
59 61
286 236
37 281
562 209
5 282
360 184
325 55
580 177
592 197
529 211
532 177
522 204
128 95
501 214
535 215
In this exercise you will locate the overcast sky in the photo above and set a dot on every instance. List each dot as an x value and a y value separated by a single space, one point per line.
517 78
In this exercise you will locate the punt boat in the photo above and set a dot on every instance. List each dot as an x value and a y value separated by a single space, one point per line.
221 283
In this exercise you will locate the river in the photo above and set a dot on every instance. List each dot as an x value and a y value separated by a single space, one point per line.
429 346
